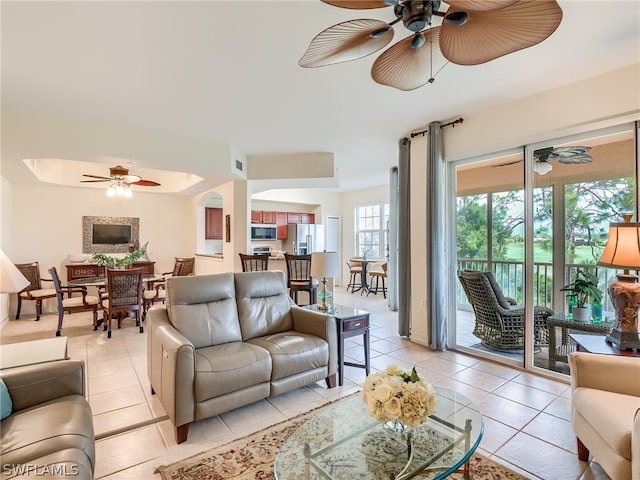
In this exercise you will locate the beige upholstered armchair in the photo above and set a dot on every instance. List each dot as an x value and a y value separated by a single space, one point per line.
499 321
605 411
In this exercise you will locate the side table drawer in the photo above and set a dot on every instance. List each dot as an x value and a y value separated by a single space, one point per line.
355 323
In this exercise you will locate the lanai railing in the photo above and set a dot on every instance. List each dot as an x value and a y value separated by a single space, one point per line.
510 278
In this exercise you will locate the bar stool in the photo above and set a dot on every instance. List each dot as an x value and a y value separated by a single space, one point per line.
378 274
355 273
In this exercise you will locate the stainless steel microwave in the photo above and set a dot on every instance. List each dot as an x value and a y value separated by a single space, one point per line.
263 232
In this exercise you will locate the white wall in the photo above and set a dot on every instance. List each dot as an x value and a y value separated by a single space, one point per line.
349 201
606 100
46 225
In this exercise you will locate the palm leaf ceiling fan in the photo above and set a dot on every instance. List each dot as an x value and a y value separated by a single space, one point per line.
568 155
472 32
119 175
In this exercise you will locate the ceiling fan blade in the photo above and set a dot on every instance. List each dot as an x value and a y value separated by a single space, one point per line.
569 151
102 179
145 183
507 163
131 178
407 68
357 4
346 41
95 181
484 6
488 35
574 159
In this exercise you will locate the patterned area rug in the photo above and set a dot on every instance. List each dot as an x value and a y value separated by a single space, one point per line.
252 458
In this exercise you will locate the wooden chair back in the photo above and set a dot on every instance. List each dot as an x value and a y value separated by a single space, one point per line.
31 271
183 267
298 269
125 290
254 263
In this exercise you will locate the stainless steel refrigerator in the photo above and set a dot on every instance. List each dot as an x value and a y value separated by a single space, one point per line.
303 238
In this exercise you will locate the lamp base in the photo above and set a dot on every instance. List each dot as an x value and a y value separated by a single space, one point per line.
624 340
323 307
625 297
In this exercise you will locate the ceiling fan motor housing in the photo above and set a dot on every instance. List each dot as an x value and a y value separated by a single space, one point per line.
415 14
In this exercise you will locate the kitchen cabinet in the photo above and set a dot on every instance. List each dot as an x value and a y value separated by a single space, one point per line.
213 223
259 216
281 225
299 217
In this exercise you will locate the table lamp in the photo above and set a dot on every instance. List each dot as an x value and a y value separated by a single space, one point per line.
11 279
623 251
324 264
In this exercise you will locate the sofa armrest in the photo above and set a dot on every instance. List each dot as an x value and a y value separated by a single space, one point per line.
320 325
35 384
171 367
635 446
605 372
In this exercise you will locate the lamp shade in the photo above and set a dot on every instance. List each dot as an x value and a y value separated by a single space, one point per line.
623 247
324 264
11 280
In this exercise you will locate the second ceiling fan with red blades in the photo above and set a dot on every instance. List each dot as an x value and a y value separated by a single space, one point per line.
472 32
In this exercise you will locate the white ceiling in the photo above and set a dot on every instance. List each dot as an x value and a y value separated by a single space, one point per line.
226 71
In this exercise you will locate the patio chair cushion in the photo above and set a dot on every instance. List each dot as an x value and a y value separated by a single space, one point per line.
502 301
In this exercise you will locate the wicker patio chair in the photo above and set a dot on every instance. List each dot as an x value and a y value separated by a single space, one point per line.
254 263
499 322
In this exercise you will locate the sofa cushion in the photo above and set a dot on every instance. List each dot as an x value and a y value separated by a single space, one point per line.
203 308
60 465
264 307
293 352
229 367
62 423
613 424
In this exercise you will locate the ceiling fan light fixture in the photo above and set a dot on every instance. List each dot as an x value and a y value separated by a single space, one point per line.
128 193
111 192
542 168
417 41
457 19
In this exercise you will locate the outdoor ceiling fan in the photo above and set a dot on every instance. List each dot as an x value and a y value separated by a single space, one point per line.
120 181
472 32
567 155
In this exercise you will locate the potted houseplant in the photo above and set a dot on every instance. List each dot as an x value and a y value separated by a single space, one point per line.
583 288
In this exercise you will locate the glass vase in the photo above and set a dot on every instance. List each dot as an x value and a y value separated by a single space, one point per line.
396 426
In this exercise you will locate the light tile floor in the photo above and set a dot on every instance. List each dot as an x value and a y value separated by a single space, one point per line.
526 417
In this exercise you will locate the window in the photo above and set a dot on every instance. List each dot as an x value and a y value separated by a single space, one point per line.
372 227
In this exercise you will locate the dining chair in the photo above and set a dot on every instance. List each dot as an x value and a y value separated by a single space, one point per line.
355 273
156 291
378 272
124 289
69 304
254 263
34 290
299 277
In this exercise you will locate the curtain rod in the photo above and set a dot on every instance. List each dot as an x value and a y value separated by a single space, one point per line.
452 124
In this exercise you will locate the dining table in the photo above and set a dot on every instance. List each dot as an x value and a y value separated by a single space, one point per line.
364 284
101 281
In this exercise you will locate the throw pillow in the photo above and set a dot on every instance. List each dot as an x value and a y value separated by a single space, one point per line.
5 401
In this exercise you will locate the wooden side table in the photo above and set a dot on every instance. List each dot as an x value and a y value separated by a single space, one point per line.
599 344
351 322
560 353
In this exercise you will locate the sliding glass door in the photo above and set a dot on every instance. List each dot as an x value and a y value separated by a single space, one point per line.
534 235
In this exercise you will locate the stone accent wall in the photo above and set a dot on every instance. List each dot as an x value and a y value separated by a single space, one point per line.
87 225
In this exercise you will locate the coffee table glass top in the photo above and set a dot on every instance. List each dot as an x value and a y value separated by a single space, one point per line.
344 442
338 311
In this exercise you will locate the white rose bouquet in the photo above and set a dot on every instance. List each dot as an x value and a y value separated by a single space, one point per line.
397 395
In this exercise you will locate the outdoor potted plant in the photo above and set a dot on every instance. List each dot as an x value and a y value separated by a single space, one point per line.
583 289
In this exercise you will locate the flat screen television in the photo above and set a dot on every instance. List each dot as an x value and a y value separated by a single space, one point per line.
110 234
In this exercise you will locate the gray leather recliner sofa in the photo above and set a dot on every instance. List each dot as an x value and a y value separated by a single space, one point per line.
226 340
49 432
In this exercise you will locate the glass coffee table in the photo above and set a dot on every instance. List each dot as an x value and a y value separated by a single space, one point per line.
343 442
